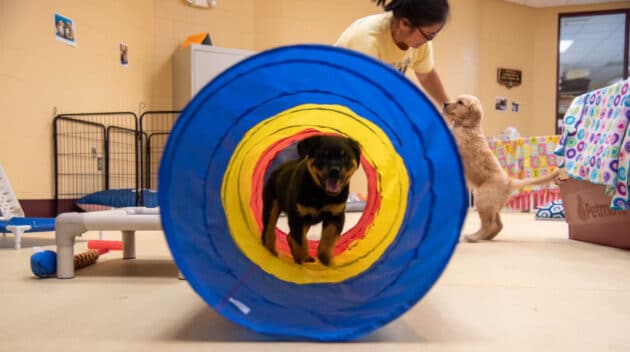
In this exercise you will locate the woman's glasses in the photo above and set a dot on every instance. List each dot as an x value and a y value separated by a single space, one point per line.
426 36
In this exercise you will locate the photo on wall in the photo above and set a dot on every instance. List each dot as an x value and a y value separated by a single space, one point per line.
515 106
124 54
500 103
64 29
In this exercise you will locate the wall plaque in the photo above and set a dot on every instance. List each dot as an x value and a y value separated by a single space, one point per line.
509 77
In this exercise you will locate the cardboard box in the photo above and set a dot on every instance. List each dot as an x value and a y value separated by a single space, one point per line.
587 210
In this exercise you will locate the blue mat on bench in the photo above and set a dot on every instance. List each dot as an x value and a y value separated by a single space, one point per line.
36 224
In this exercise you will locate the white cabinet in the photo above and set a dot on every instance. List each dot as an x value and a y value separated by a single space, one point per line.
196 65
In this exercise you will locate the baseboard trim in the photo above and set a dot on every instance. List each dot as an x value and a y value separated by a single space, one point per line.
45 208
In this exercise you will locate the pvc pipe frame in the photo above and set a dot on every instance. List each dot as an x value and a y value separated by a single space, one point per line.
18 231
128 220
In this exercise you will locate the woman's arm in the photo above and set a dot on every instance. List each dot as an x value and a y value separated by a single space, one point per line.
432 84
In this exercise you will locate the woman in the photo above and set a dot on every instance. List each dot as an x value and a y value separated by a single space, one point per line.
402 37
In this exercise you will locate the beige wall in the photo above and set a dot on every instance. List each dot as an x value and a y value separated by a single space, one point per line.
37 73
457 54
505 42
230 24
283 22
515 36
484 35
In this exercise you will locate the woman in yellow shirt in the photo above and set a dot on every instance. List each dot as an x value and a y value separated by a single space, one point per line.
402 38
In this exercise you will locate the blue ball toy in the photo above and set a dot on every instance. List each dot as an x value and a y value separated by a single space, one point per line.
44 263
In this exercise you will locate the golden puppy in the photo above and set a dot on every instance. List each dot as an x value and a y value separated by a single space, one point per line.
491 185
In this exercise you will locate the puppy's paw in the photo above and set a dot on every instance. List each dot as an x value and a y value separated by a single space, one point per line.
471 238
300 260
325 259
271 249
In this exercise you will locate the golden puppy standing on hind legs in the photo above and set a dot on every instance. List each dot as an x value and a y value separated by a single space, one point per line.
491 185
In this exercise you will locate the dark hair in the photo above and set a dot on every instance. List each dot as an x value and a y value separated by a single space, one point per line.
419 12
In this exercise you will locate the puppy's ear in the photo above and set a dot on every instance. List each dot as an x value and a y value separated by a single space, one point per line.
475 108
305 146
475 112
356 148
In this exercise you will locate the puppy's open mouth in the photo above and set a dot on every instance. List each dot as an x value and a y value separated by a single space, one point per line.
333 185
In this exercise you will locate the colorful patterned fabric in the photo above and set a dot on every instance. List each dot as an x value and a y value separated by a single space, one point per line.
551 211
595 140
525 158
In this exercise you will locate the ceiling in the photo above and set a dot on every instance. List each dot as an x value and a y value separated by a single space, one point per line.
556 3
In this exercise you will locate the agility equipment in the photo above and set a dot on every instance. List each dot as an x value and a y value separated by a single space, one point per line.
126 220
211 181
103 244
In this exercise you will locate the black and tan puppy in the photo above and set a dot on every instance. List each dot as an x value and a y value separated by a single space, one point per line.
312 189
